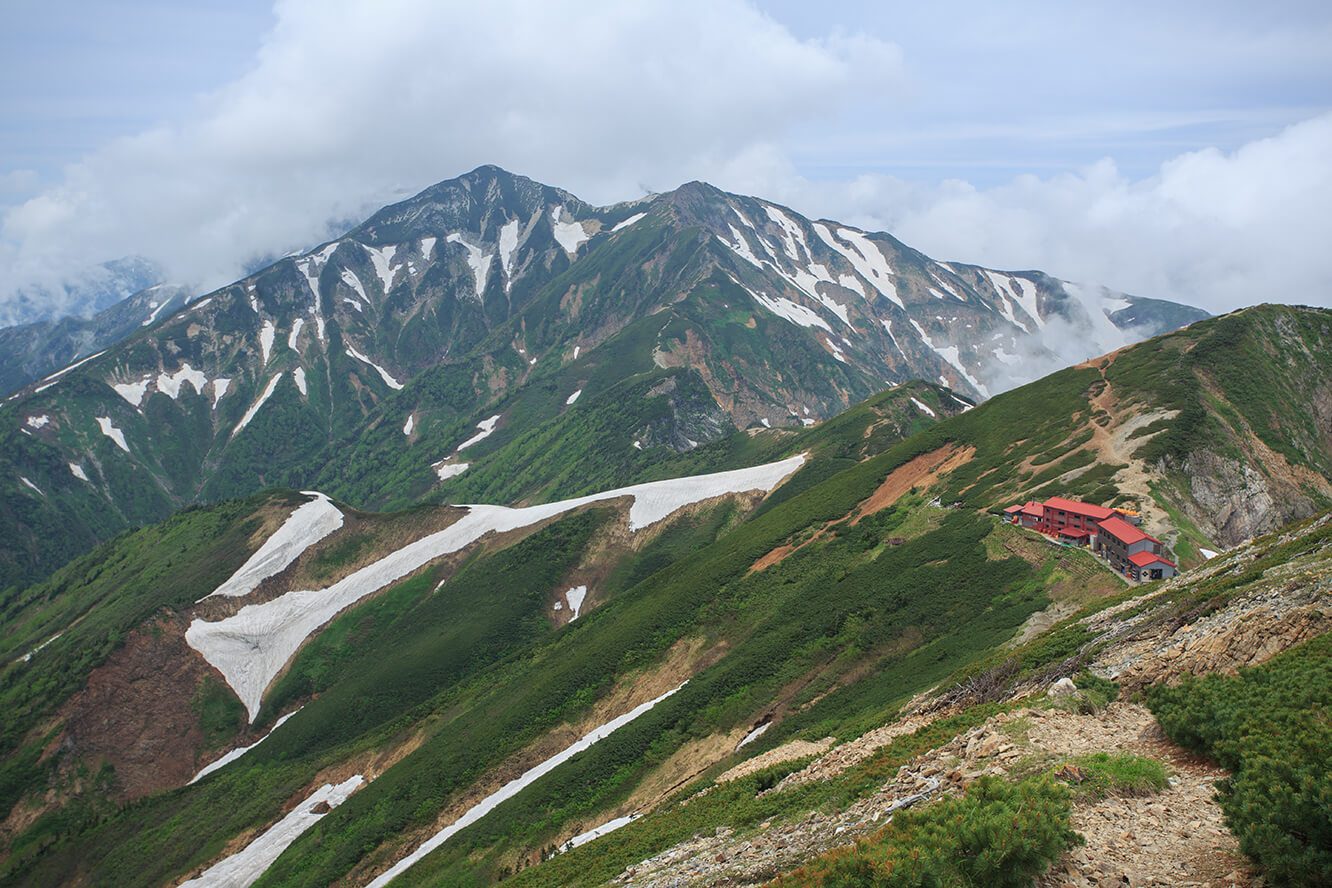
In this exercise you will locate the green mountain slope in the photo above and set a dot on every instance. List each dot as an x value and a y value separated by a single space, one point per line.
817 610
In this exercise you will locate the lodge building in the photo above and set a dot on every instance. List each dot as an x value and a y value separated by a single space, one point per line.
1107 532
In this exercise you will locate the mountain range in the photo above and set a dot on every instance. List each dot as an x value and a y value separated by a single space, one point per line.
438 351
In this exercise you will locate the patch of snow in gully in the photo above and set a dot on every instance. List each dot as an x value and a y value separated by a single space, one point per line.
238 752
252 646
306 525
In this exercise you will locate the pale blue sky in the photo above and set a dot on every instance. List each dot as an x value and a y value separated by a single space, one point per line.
1175 150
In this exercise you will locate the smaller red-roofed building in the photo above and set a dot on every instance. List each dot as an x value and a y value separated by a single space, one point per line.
1030 514
1144 566
1119 541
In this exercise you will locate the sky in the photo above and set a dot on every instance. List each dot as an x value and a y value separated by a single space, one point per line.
1178 150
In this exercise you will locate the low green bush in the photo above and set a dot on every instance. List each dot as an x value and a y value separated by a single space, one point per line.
1270 726
999 835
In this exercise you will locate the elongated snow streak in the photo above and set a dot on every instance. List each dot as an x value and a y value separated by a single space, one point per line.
447 470
220 386
627 222
28 656
952 355
568 402
252 646
409 424
254 408
484 429
63 371
295 332
112 432
77 471
350 279
923 409
306 525
865 257
238 752
508 244
515 786
597 832
33 486
299 375
754 734
244 868
383 374
266 336
381 259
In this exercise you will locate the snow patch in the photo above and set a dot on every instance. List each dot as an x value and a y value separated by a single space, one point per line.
1207 553
787 310
484 430
254 408
575 597
64 370
865 257
952 355
296 326
244 868
157 308
515 786
636 217
569 234
251 647
754 734
266 337
477 259
350 279
574 397
220 386
38 421
33 486
169 385
577 349
299 376
77 471
508 244
791 233
409 424
201 304
28 656
112 432
427 245
132 391
380 259
383 374
447 470
306 525
924 409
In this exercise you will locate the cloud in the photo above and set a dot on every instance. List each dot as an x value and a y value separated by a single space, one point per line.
1212 229
350 105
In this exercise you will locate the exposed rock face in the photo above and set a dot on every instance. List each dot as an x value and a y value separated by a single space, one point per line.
1236 501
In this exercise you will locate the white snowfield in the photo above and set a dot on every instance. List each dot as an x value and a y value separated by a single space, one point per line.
515 786
484 429
252 646
308 524
570 235
238 751
924 409
575 597
636 217
244 868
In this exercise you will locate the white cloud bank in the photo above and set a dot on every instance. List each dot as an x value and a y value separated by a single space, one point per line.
350 105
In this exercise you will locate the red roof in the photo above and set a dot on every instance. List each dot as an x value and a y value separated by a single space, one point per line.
1075 534
1033 509
1124 532
1142 559
1096 513
1012 509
